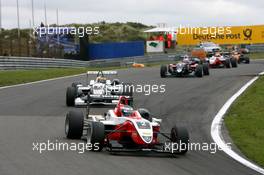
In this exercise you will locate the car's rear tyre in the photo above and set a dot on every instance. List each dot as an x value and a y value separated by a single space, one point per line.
115 82
96 135
180 136
70 96
227 63
75 84
233 62
127 89
74 125
145 114
206 69
163 71
199 71
247 60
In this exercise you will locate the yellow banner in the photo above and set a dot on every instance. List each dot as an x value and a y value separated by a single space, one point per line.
222 35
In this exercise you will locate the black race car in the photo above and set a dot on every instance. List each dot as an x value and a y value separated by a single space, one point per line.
187 66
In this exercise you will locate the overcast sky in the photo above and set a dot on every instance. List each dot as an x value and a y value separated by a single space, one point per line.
172 12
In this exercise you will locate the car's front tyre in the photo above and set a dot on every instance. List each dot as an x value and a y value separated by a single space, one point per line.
199 71
247 60
74 125
206 69
180 136
163 71
96 135
233 62
70 96
227 63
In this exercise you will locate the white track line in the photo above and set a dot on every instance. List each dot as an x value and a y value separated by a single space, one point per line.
41 81
216 129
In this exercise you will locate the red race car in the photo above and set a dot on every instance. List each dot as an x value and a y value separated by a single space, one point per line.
219 60
126 129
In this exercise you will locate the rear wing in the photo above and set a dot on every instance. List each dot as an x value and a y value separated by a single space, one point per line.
226 53
92 98
100 73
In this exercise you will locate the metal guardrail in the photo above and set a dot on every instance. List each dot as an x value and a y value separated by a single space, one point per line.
10 63
256 48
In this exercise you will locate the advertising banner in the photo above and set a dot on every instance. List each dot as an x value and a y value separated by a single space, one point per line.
222 35
155 46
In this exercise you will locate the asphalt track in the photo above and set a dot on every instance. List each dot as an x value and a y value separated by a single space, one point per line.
36 113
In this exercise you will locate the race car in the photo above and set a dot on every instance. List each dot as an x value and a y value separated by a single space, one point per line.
99 91
125 129
187 66
222 60
210 47
240 57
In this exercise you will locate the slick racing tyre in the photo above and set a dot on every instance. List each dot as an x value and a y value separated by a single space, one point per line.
70 96
74 125
75 84
233 62
96 135
206 69
163 71
247 60
127 89
199 71
227 63
180 136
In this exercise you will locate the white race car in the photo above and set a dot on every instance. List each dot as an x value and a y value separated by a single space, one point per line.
99 91
210 47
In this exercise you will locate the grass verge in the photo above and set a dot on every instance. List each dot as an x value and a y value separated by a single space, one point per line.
245 122
12 77
257 55
24 76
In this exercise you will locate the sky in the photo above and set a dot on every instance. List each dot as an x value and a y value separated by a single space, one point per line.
194 13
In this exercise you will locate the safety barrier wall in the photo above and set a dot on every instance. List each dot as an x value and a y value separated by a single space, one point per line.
256 48
10 63
115 50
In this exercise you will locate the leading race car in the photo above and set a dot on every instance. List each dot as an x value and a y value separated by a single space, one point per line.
125 129
98 91
222 60
187 66
210 47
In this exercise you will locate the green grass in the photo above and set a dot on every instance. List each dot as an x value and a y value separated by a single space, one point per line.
245 122
257 55
12 77
25 76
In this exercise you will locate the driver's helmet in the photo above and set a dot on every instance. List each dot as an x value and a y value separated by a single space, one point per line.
127 111
217 54
101 79
115 82
186 58
235 52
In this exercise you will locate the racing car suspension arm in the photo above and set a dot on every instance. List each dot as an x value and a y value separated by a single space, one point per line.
164 135
116 130
124 131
